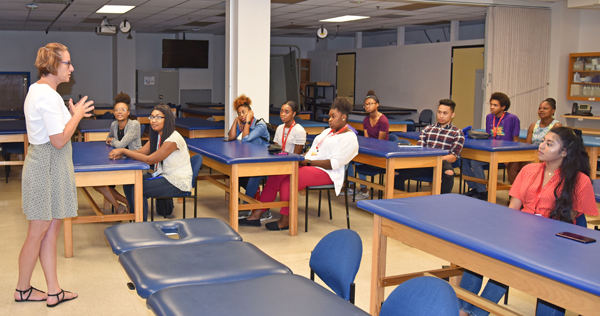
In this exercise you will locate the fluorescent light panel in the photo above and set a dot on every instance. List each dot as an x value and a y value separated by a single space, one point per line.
115 9
345 18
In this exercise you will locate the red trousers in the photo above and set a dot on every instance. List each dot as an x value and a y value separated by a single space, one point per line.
307 176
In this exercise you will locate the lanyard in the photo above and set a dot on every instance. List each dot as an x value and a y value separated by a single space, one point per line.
284 140
331 134
157 148
495 127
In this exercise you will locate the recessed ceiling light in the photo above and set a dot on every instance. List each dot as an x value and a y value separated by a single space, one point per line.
32 6
345 18
115 9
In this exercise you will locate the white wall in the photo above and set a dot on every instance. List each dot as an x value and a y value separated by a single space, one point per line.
306 44
379 39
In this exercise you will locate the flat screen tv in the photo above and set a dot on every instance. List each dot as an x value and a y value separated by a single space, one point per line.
184 54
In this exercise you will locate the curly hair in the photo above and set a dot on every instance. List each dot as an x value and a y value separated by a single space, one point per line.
242 100
168 128
502 98
123 98
48 58
575 161
342 105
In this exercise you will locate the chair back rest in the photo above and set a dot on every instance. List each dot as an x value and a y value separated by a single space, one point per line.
336 259
581 221
393 138
410 127
142 128
426 116
422 296
196 162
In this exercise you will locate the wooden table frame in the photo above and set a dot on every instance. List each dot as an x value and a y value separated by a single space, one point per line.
235 171
15 138
104 178
563 295
391 164
593 152
92 136
200 133
393 127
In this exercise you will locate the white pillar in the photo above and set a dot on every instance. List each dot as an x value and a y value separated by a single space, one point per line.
358 40
454 31
400 35
247 55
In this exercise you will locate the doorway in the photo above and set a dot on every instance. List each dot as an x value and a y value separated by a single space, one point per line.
464 86
346 76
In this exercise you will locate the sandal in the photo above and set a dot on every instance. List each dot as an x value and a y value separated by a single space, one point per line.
30 290
60 300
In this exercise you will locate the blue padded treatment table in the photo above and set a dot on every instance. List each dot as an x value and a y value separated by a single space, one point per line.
237 159
126 237
290 295
195 127
11 115
205 113
14 131
395 125
518 249
305 115
153 269
217 106
141 115
597 190
311 127
93 130
101 108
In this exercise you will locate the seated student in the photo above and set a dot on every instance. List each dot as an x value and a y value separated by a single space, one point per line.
558 188
289 135
375 125
123 133
443 135
537 131
499 124
323 164
248 128
167 152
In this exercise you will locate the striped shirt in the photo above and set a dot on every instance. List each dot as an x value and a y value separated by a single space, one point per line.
448 138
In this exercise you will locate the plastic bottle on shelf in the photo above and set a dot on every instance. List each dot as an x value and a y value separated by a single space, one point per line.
576 77
588 64
586 91
578 65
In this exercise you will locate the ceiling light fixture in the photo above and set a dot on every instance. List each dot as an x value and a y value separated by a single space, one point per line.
115 9
32 6
345 18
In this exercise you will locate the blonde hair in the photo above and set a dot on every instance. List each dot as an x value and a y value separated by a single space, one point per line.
49 58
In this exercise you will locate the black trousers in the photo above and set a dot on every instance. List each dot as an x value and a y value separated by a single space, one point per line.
405 174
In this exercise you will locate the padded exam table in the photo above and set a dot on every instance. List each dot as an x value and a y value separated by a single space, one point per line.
290 295
492 151
141 115
205 113
195 127
93 130
218 106
236 159
101 108
14 131
389 156
311 127
94 168
512 247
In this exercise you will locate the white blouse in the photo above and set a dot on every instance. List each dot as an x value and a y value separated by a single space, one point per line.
339 149
297 136
176 168
45 113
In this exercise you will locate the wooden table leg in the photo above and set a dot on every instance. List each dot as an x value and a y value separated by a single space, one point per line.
593 153
493 178
293 202
378 266
68 228
436 186
138 196
234 184
389 179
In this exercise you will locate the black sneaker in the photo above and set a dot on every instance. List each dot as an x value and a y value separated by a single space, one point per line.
471 193
482 196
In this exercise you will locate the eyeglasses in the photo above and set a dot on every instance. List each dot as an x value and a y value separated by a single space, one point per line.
120 110
155 118
68 63
369 104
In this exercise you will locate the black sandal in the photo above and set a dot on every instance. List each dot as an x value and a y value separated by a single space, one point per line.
60 300
30 290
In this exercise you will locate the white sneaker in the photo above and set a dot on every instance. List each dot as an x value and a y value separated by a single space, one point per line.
350 192
266 215
360 195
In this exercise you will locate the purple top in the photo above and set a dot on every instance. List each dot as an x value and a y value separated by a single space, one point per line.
509 127
382 125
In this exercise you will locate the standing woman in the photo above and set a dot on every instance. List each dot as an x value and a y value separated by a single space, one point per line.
537 131
289 135
167 152
124 133
48 181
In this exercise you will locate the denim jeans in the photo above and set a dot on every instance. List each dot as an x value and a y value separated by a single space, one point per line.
405 174
360 176
151 188
251 185
474 168
471 282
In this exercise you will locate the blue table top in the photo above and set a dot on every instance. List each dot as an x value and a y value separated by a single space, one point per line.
491 145
93 156
90 126
13 127
203 111
196 123
276 120
597 189
387 149
11 115
235 152
514 237
140 112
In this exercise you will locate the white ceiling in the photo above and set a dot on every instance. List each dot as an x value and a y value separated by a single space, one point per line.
301 18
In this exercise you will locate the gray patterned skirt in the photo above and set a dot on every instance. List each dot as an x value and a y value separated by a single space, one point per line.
48 183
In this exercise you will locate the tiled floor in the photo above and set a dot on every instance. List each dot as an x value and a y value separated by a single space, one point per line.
96 275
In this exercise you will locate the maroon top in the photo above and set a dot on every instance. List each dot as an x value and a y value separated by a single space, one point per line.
382 125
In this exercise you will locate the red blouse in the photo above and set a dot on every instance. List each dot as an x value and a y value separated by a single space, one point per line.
540 200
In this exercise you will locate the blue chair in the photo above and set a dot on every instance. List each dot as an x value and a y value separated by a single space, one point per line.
486 166
336 259
429 178
196 162
422 296
327 187
393 138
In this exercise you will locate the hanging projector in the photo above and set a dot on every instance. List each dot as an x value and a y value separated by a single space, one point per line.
106 28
